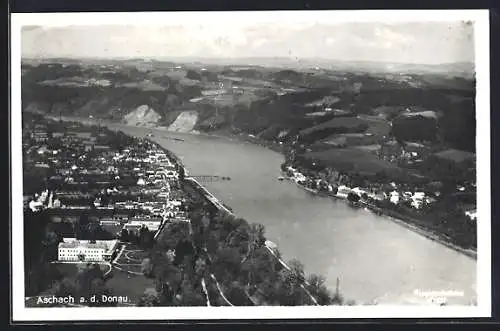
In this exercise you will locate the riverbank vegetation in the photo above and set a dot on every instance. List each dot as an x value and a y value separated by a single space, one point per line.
440 210
223 260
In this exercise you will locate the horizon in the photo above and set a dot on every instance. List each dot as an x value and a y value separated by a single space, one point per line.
425 43
221 58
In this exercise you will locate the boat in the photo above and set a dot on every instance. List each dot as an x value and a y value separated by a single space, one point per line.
173 138
281 178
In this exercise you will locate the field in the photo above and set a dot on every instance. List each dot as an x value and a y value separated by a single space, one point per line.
387 112
370 125
368 148
228 100
352 159
145 86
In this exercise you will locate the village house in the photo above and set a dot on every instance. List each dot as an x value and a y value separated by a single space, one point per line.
472 214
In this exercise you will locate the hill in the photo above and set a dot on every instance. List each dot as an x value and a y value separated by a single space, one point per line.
312 102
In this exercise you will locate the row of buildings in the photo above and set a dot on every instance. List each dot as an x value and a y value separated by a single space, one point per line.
130 189
391 193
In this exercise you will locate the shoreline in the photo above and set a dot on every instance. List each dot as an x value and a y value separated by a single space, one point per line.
397 218
400 220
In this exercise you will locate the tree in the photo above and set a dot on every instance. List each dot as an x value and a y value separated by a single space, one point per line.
63 288
191 74
189 296
98 288
236 294
145 238
316 286
124 235
256 238
150 298
353 197
200 268
226 264
147 268
259 267
289 291
168 279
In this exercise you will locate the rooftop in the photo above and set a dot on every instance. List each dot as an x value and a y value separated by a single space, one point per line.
74 243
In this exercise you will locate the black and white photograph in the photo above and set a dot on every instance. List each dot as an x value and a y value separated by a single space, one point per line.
250 165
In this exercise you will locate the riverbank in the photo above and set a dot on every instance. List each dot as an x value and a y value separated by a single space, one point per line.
406 221
203 191
244 137
402 220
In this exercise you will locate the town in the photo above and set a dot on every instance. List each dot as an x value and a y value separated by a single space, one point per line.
121 213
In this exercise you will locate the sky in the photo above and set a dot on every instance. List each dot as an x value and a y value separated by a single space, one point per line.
411 42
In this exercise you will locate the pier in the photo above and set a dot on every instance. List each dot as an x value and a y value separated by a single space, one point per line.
209 178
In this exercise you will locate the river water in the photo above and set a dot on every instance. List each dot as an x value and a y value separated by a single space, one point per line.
373 257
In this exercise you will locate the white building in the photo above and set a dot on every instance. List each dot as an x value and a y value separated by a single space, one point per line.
151 225
171 174
394 198
72 249
35 205
299 177
359 191
343 191
418 199
472 214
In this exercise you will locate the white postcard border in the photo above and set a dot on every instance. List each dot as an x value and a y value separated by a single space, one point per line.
483 309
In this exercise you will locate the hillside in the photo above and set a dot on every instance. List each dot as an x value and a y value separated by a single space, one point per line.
142 116
318 104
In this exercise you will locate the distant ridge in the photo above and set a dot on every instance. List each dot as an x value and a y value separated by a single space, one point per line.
459 68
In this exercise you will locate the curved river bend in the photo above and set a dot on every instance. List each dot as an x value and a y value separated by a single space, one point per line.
374 258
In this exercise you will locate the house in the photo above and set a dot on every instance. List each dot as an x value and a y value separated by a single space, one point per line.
41 165
72 249
35 205
133 228
418 199
122 217
378 196
360 192
394 197
150 224
472 214
343 191
43 150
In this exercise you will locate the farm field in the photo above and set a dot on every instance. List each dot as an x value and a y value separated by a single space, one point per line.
352 159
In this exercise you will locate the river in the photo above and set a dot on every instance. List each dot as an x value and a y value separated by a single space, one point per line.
374 258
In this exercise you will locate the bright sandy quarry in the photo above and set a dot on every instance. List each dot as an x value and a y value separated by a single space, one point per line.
185 122
142 116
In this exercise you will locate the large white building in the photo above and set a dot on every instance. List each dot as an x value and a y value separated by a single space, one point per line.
151 225
72 249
